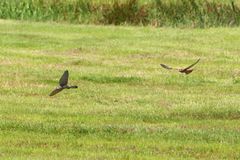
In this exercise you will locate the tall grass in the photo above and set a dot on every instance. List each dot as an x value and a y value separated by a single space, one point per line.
192 13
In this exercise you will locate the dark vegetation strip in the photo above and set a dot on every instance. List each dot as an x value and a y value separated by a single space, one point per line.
107 79
187 13
110 131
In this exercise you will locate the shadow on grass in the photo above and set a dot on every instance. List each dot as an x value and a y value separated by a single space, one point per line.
187 80
236 81
108 79
83 63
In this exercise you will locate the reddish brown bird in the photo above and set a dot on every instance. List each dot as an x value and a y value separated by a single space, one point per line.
186 70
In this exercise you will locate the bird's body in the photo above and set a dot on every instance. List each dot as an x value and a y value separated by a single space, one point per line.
63 84
186 70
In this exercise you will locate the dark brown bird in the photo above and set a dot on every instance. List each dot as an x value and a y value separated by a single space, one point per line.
62 84
186 70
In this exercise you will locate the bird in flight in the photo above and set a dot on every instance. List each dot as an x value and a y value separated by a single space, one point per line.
186 70
63 84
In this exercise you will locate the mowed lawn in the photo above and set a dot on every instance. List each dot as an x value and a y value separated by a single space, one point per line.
126 106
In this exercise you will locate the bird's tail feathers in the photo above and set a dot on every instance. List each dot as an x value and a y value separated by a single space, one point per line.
73 86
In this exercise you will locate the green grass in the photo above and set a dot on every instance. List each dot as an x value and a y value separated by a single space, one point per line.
127 106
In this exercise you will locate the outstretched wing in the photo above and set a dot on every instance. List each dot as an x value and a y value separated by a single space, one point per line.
191 65
165 66
64 79
55 91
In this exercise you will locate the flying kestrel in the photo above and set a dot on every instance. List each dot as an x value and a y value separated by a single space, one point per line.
62 84
186 70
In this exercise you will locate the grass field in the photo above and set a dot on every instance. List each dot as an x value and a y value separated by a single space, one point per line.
127 106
